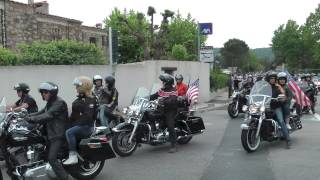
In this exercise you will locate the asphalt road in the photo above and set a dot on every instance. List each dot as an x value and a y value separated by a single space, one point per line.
218 155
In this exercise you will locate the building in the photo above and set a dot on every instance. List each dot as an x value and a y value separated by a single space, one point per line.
26 23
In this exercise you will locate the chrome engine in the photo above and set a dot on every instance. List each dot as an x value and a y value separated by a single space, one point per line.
36 171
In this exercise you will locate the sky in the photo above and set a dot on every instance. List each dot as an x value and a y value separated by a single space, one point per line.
252 21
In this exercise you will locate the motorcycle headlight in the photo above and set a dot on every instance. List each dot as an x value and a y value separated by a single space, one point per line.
125 110
244 108
253 109
262 108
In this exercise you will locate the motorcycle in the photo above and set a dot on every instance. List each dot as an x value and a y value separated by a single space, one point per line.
144 125
259 123
238 100
24 149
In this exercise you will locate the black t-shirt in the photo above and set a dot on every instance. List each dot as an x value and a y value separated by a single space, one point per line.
31 103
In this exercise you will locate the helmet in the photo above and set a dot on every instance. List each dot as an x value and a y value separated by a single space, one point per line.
49 87
307 75
22 87
179 77
282 75
84 84
110 81
96 77
270 75
167 79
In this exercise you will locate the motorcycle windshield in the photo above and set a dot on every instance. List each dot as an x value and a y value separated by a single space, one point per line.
3 105
304 86
155 88
142 93
260 91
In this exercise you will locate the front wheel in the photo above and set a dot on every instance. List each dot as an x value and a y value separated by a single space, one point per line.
232 111
249 140
86 170
121 145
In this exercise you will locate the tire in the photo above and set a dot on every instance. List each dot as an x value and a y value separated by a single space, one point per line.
83 172
120 140
246 138
233 113
185 140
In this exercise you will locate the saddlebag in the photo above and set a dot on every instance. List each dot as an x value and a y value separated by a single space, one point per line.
96 149
195 124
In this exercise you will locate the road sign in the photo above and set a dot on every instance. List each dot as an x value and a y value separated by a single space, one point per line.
205 28
206 54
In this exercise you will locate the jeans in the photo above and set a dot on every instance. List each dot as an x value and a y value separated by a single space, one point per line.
286 110
77 132
105 116
54 147
280 119
170 122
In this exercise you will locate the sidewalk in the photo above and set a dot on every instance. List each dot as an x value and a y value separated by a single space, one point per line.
219 100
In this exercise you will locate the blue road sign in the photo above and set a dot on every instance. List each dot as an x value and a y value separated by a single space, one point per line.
205 28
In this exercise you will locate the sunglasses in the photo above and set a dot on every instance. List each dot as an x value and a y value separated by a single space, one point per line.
44 92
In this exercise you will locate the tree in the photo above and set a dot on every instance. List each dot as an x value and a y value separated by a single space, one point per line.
235 52
179 52
184 31
133 34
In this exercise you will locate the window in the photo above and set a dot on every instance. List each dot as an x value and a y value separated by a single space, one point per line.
93 40
103 40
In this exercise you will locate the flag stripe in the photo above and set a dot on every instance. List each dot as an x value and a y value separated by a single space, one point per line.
193 91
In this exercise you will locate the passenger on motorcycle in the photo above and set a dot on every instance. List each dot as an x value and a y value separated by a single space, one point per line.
26 101
108 102
282 81
181 87
97 82
276 105
54 117
168 99
82 116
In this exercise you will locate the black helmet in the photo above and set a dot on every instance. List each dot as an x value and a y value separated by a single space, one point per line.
167 79
22 87
49 87
110 81
179 77
270 75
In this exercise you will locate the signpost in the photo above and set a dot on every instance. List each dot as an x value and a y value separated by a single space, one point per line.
206 54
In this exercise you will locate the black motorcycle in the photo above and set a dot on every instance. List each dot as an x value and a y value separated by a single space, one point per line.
260 123
145 125
238 101
24 148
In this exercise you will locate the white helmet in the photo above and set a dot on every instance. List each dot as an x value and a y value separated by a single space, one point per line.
97 77
282 75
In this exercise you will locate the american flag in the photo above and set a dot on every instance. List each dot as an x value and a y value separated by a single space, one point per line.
299 95
193 91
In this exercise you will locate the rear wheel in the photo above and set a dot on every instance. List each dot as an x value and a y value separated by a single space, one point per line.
184 140
86 170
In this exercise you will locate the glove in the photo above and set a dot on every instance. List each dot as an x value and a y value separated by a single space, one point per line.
29 119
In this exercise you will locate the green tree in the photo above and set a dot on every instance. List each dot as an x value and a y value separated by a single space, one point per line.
133 34
184 31
179 52
288 46
235 52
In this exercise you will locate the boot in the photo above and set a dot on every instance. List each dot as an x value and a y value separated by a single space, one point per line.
173 148
288 144
73 158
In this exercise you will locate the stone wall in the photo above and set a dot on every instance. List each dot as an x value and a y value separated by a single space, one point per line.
25 24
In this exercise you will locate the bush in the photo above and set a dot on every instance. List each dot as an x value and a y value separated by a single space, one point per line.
60 53
218 80
7 57
179 52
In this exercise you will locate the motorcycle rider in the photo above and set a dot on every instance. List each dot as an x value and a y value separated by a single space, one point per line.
54 117
313 87
276 105
82 116
282 81
181 87
108 102
26 101
97 81
168 99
